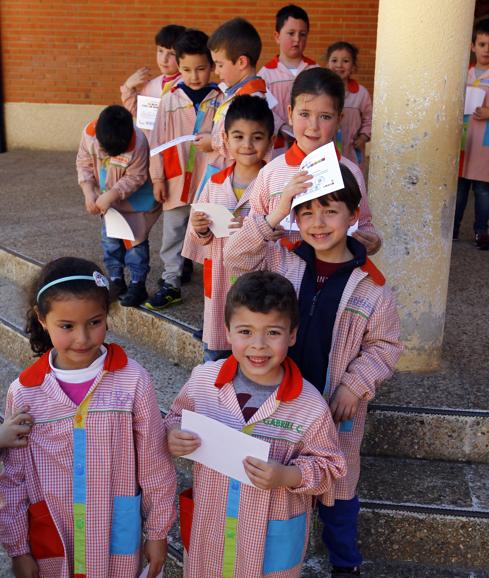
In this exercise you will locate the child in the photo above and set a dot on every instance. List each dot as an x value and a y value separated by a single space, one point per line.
348 338
474 158
96 472
356 123
235 47
291 30
112 165
139 82
314 113
261 530
248 136
187 109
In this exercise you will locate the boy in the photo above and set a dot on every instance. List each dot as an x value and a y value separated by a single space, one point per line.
235 48
291 30
348 338
112 165
188 108
253 531
139 82
248 135
474 158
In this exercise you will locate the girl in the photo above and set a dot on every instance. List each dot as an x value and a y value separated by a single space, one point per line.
356 124
96 472
314 113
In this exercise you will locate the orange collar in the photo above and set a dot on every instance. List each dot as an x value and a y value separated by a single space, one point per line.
353 86
295 155
255 85
221 176
276 59
289 389
373 272
35 374
90 130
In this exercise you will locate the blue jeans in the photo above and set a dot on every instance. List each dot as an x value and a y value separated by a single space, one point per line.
340 532
481 203
116 256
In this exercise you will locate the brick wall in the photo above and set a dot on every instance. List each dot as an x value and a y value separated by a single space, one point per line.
78 52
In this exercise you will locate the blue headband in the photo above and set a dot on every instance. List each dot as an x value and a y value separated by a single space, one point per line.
99 280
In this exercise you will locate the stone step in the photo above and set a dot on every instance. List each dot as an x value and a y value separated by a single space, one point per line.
392 429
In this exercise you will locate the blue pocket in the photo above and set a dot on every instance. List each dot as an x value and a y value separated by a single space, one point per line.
346 426
125 535
143 199
284 544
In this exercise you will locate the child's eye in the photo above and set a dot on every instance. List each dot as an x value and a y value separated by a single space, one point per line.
66 326
244 331
304 114
95 322
274 332
326 117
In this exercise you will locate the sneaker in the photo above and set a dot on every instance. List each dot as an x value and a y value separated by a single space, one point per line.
167 295
117 288
188 269
339 572
482 241
136 294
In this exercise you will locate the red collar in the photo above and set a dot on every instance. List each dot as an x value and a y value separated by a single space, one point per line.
90 130
353 86
295 155
255 85
167 79
374 273
221 176
288 390
276 59
34 375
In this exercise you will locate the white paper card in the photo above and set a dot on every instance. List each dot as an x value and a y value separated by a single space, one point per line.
145 572
474 97
172 143
219 215
223 448
147 111
291 225
117 227
271 100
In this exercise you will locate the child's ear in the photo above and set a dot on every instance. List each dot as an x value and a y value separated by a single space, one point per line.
39 317
289 114
272 141
228 334
293 336
355 216
225 137
243 62
276 37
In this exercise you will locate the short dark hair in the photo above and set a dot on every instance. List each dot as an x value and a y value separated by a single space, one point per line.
168 35
350 194
342 45
263 292
316 81
247 107
290 11
237 37
114 129
78 288
192 41
480 27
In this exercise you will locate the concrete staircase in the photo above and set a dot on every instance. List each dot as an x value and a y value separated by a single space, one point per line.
425 480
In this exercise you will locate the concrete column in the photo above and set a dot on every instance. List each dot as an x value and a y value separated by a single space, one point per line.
421 66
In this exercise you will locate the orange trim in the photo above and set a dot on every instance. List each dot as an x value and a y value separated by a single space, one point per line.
294 156
221 176
44 539
171 163
289 389
207 278
184 197
353 86
308 60
279 142
273 63
35 374
127 244
255 85
373 272
90 129
186 502
288 244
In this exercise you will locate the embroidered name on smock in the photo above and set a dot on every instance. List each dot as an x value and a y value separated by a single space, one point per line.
282 424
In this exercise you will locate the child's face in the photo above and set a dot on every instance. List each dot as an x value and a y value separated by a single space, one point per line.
166 60
481 50
260 342
315 120
228 71
77 329
195 70
325 228
292 38
341 62
248 142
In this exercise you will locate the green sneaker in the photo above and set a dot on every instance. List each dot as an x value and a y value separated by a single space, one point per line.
167 295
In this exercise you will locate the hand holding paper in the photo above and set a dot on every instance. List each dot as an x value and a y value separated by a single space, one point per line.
220 218
181 443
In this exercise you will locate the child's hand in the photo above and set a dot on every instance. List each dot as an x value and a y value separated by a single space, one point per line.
181 443
344 404
236 223
203 142
155 552
371 241
105 201
481 113
160 192
200 222
270 475
15 429
141 76
278 233
91 202
25 567
360 141
297 185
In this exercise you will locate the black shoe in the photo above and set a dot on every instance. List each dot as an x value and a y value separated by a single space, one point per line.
117 288
136 294
339 572
167 295
188 269
482 241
